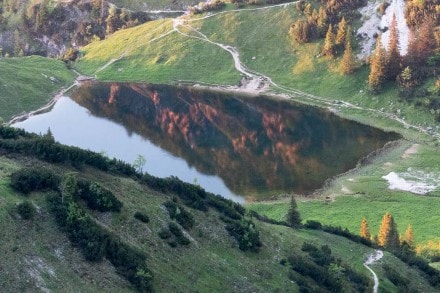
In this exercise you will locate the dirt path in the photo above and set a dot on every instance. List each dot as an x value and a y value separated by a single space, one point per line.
372 258
256 82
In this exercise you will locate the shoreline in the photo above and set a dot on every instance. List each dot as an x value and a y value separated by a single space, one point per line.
49 105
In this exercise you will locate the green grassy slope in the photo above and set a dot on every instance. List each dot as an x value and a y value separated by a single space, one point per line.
146 5
142 54
29 82
36 254
363 193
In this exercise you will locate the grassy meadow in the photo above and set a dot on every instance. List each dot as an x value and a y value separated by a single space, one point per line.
29 82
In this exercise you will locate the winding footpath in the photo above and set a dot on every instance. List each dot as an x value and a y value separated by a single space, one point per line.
372 258
258 82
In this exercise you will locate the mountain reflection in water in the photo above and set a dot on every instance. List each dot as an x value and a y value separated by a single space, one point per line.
258 146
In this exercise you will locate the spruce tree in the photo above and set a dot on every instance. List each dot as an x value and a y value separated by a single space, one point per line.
293 216
377 67
393 54
329 43
409 236
348 59
388 235
364 231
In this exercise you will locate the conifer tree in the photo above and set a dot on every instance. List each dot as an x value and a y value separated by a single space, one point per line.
377 67
293 216
388 235
342 32
329 43
364 231
322 21
406 79
393 54
348 59
409 236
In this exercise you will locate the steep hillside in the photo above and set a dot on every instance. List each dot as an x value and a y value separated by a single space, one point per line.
77 234
50 27
151 5
28 83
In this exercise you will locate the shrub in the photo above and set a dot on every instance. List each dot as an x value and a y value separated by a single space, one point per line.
27 180
141 217
245 232
165 234
98 197
178 213
26 210
311 224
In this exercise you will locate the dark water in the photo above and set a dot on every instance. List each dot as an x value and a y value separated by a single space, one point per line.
232 145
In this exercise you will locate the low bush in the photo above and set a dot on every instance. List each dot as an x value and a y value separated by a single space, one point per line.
31 179
245 232
97 197
96 242
180 214
141 217
26 210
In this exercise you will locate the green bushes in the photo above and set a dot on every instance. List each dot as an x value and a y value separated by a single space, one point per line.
328 273
180 214
96 242
245 232
26 210
44 148
97 197
34 179
142 217
173 230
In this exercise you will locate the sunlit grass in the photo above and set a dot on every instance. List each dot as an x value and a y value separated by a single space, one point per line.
370 197
29 82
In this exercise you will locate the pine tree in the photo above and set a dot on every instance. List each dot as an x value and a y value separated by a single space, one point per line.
377 67
364 232
293 216
409 236
348 59
388 235
342 32
329 43
393 54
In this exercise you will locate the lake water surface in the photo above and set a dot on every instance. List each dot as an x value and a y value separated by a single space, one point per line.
236 146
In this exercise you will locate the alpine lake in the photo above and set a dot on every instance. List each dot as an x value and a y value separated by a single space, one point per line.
241 147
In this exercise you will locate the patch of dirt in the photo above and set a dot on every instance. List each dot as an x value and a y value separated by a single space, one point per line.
410 151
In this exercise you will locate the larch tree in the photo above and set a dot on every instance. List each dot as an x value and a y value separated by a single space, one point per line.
329 43
421 45
409 236
388 236
348 60
293 216
364 231
377 67
393 53
322 21
341 33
